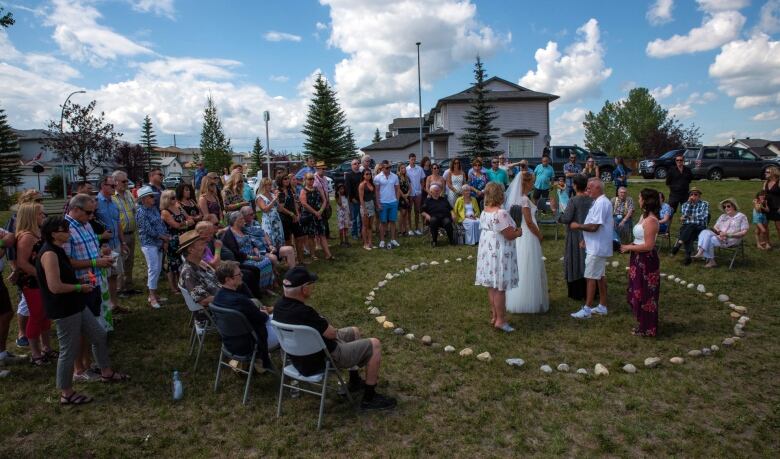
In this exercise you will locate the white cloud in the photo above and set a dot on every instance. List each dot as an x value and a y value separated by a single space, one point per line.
769 21
273 35
567 128
377 81
716 29
41 64
770 115
321 26
661 93
685 109
660 12
722 5
748 71
279 78
78 34
574 75
158 7
776 132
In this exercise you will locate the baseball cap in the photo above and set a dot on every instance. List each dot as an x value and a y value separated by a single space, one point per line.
298 276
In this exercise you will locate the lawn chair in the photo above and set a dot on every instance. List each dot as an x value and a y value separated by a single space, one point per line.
199 330
300 340
230 322
667 235
735 250
547 218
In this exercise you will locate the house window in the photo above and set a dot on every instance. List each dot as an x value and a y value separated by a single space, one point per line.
521 147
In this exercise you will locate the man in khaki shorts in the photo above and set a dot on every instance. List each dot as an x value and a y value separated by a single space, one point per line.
345 345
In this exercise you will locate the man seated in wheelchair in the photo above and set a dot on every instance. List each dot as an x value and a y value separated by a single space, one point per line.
345 345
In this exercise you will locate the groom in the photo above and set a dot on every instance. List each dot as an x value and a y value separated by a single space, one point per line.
597 232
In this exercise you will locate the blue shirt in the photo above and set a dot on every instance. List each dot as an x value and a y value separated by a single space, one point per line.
108 214
620 171
544 176
199 174
150 226
305 170
498 176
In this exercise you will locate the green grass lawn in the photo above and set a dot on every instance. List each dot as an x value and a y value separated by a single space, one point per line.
727 404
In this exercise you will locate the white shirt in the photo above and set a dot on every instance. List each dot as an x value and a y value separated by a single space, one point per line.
416 174
599 243
386 184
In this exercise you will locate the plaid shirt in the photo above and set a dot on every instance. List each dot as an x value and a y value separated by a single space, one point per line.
573 169
82 245
695 213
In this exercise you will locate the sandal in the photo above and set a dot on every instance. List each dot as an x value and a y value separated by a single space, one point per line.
114 378
39 361
51 354
75 399
330 258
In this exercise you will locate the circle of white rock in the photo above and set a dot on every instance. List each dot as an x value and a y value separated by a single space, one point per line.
737 312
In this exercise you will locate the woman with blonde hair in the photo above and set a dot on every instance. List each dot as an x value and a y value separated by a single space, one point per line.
233 193
208 201
29 219
467 214
177 221
268 202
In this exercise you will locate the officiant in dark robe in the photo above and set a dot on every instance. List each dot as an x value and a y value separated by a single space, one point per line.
574 247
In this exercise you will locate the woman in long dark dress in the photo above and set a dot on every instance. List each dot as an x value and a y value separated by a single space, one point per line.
574 248
772 188
644 278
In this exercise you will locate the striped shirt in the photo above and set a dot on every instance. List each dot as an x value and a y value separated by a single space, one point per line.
126 206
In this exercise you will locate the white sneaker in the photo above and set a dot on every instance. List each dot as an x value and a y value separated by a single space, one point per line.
600 310
410 233
418 232
583 313
394 243
381 244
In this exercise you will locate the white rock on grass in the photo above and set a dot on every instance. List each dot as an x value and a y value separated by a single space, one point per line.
374 311
449 348
446 261
563 368
709 294
470 257
582 371
714 348
694 353
409 336
484 357
744 320
739 332
677 360
723 298
4 373
546 369
700 288
728 342
381 284
466 352
388 276
459 259
434 263
629 368
367 303
735 315
544 258
515 362
414 267
615 264
407 270
561 259
387 324
628 269
427 340
663 274
691 285
671 277
600 370
380 319
740 309
705 351
652 362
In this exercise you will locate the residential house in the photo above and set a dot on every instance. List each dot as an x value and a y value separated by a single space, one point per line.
762 147
523 124
170 165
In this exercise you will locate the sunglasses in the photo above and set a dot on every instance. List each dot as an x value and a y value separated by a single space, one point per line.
727 206
435 167
123 181
678 160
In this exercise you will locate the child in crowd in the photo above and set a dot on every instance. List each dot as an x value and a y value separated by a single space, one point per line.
343 214
760 209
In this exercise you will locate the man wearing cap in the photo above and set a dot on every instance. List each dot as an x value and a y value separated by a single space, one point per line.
693 217
344 345
436 210
389 190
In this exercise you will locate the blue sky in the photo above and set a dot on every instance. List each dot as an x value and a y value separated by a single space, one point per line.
711 62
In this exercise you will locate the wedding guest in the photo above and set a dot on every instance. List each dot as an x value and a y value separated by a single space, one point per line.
233 193
496 256
772 188
321 184
352 179
620 174
264 241
417 183
177 222
728 231
246 249
290 214
368 204
623 215
664 215
155 182
312 218
6 308
544 175
185 194
342 215
152 233
467 214
404 202
570 170
678 179
63 299
591 169
560 196
107 212
126 205
693 216
268 202
438 214
435 178
388 190
308 168
456 178
574 246
477 181
598 248
644 277
760 209
208 201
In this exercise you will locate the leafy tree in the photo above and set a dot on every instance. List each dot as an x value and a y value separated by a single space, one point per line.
10 156
7 19
215 149
325 127
148 144
603 130
134 160
479 139
91 141
257 157
377 136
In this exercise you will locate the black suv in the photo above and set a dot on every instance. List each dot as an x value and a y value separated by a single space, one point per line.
559 155
658 167
716 163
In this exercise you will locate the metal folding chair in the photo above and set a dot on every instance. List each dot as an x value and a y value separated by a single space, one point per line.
735 250
199 330
229 323
300 340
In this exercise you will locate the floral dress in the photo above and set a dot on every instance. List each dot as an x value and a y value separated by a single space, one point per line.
272 223
496 257
342 214
174 259
247 245
644 286
309 223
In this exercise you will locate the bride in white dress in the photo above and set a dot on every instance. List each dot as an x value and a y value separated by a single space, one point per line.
531 295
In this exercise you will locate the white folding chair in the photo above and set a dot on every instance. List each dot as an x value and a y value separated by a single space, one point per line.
300 340
199 330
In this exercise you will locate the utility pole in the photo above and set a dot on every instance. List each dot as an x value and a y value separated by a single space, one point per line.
419 98
267 118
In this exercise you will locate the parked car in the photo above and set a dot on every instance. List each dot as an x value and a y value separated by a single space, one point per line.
658 167
172 181
559 155
716 163
336 175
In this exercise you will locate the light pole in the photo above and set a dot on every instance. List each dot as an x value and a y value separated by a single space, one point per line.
419 99
62 132
267 118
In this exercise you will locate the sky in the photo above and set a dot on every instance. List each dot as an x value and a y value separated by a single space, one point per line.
714 63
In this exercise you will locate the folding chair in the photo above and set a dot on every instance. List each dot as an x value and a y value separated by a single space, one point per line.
199 330
230 322
667 235
736 249
300 340
546 219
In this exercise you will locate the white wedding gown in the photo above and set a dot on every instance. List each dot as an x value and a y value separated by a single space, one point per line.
531 295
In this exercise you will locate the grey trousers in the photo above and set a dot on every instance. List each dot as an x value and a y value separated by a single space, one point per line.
69 332
125 280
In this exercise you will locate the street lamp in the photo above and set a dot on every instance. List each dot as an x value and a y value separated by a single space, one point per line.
267 118
62 132
419 99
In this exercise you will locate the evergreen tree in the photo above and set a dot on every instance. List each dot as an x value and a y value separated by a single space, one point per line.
377 136
349 143
215 149
149 143
257 157
7 19
10 156
325 128
479 139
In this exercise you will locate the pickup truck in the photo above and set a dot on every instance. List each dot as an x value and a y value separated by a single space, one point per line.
559 155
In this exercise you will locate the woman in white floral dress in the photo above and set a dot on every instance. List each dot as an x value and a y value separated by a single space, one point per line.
497 257
268 202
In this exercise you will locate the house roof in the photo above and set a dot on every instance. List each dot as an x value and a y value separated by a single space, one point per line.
30 134
517 93
520 133
440 132
764 152
754 142
397 142
167 161
405 123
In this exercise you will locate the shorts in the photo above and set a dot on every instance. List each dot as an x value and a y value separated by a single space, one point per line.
759 218
21 308
351 352
368 209
595 266
389 212
5 300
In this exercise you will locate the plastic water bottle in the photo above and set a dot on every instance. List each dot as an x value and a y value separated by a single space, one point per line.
178 387
294 393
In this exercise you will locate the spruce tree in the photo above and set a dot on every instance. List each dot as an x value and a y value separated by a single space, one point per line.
349 143
377 136
149 143
215 149
10 156
325 128
256 158
479 139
